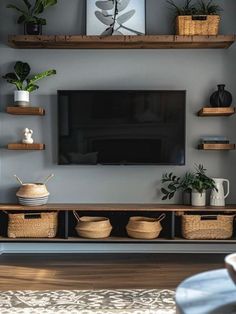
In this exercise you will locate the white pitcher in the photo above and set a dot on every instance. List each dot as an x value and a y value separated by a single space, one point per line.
218 196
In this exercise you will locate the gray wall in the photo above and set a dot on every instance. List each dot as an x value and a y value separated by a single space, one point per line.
197 71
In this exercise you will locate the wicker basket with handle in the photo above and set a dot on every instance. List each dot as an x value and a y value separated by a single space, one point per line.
144 227
207 227
33 225
197 25
93 227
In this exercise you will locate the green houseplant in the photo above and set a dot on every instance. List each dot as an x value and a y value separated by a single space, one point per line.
196 18
24 83
196 183
30 15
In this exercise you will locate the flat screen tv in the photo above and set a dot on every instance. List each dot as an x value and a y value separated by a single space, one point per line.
121 127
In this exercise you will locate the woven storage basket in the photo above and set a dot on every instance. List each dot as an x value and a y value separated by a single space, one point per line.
197 25
207 227
33 225
93 227
144 227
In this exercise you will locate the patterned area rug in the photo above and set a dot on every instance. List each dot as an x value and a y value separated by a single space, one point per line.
88 302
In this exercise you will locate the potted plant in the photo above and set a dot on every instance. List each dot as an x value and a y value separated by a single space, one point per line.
173 184
201 183
25 84
195 183
30 15
201 18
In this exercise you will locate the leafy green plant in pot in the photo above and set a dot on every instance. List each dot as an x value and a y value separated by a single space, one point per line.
25 83
173 183
30 15
200 185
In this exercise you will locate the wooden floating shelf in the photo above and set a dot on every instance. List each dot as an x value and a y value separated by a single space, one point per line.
117 208
216 112
120 42
113 239
217 146
19 146
26 111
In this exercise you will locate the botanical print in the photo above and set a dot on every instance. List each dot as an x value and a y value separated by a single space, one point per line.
115 17
88 302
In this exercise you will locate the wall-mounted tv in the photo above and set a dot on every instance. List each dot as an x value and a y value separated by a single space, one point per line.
126 127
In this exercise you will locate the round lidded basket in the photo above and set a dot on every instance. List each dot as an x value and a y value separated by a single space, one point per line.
93 227
32 190
144 227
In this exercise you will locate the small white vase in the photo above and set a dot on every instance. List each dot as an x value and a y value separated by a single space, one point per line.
21 98
198 199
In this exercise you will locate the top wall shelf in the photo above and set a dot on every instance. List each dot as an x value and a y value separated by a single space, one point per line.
120 42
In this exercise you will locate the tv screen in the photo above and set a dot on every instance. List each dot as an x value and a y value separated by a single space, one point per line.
121 127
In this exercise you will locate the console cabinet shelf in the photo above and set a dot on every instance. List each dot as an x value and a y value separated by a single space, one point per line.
120 42
216 146
119 215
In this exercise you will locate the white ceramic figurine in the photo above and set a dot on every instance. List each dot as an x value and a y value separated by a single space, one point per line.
27 139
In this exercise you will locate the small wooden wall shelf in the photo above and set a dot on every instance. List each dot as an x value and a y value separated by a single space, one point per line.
19 146
120 42
217 146
216 112
26 111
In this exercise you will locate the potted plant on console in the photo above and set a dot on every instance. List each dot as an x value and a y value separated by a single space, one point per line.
200 18
30 15
197 183
25 84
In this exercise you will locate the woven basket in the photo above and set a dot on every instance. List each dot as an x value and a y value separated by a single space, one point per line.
197 25
144 227
34 225
207 227
93 227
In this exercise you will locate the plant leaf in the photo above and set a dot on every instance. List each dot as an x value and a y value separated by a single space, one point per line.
107 32
122 5
11 6
107 20
31 88
40 76
21 19
125 17
48 3
27 3
105 5
22 70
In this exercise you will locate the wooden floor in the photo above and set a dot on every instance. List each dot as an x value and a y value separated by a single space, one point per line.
101 271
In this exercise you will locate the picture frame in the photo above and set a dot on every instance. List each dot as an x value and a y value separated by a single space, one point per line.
115 17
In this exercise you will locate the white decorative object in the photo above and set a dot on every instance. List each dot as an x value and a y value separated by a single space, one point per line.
21 98
27 139
115 17
218 195
198 199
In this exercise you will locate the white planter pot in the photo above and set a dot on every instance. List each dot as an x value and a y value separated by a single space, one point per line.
21 98
198 199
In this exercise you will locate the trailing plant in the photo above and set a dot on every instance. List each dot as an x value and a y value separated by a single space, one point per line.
20 77
197 180
29 13
200 8
175 183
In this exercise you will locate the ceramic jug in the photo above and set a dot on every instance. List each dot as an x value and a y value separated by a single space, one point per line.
218 196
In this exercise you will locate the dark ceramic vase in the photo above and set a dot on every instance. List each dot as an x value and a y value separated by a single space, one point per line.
221 98
32 29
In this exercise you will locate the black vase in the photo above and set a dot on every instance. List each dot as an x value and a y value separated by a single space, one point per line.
221 98
32 29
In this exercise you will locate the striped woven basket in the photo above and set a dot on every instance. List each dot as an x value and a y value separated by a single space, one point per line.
207 227
197 25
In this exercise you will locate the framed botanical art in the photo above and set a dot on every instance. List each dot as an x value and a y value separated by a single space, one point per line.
115 17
